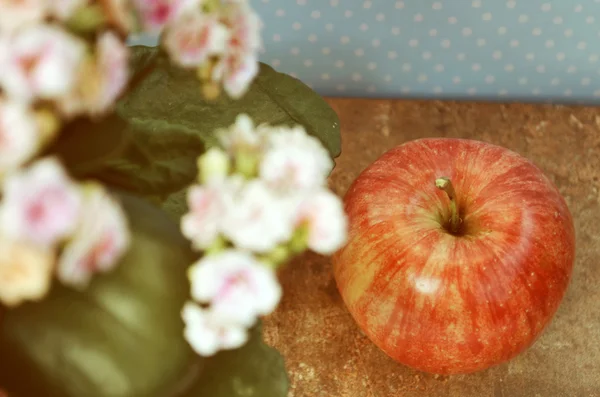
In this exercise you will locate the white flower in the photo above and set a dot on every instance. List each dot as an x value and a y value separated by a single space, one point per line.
208 205
258 220
25 272
64 9
238 287
241 136
323 213
19 135
156 14
101 239
41 204
42 61
294 160
236 72
206 334
16 14
194 38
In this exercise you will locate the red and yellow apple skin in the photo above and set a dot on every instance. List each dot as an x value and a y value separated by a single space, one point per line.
444 302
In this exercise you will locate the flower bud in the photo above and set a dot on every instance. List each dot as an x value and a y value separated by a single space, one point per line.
213 164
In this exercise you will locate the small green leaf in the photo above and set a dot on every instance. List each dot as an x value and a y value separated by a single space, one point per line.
85 145
121 337
254 370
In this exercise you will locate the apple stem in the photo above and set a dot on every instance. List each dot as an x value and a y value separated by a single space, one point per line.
444 183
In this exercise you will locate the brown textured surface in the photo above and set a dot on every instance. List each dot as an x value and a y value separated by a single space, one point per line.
326 353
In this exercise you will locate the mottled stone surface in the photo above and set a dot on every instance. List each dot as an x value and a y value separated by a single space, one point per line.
326 353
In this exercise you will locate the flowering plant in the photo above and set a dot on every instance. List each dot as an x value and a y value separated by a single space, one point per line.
78 155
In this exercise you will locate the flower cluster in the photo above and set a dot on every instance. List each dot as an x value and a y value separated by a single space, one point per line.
262 198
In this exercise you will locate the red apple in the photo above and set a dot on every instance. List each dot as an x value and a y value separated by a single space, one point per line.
459 274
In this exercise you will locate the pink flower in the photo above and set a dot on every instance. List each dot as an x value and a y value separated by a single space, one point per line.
41 204
19 135
258 220
238 287
19 13
42 61
64 9
25 272
294 160
206 334
241 136
99 242
236 72
323 213
194 38
156 14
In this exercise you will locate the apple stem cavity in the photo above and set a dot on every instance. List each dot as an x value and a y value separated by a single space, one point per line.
444 183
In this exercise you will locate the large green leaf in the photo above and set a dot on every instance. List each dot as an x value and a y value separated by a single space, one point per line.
172 124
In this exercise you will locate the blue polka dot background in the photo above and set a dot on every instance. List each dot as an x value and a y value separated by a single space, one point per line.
492 49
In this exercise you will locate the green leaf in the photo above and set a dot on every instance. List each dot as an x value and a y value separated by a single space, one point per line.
121 337
172 124
254 370
85 146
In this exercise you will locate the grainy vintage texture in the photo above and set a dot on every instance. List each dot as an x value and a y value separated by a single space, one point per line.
327 355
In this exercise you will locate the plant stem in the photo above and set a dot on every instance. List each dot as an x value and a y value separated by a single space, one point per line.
445 184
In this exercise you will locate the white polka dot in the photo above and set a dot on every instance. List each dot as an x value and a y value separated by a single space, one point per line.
549 43
503 92
325 76
371 66
376 42
265 1
367 4
555 81
334 3
487 16
536 91
530 56
380 17
540 68
480 42
340 87
582 45
569 32
388 78
308 63
413 43
359 52
568 92
593 58
523 18
364 27
472 91
536 32
392 54
406 67
502 30
356 77
437 5
571 69
476 67
433 32
586 81
301 2
280 12
509 67
546 7
438 90
312 38
445 43
523 81
456 80
461 56
452 20
561 56
514 43
557 20
467 31
348 13
275 62
276 37
439 68
371 89
590 20
511 3
326 50
490 79
296 26
339 63
295 51
422 78
497 55
329 27
344 39
578 8
597 93
315 14
395 30
405 90
476 3
399 4
418 18
427 55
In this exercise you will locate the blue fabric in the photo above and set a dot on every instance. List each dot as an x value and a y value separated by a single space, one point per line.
516 49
